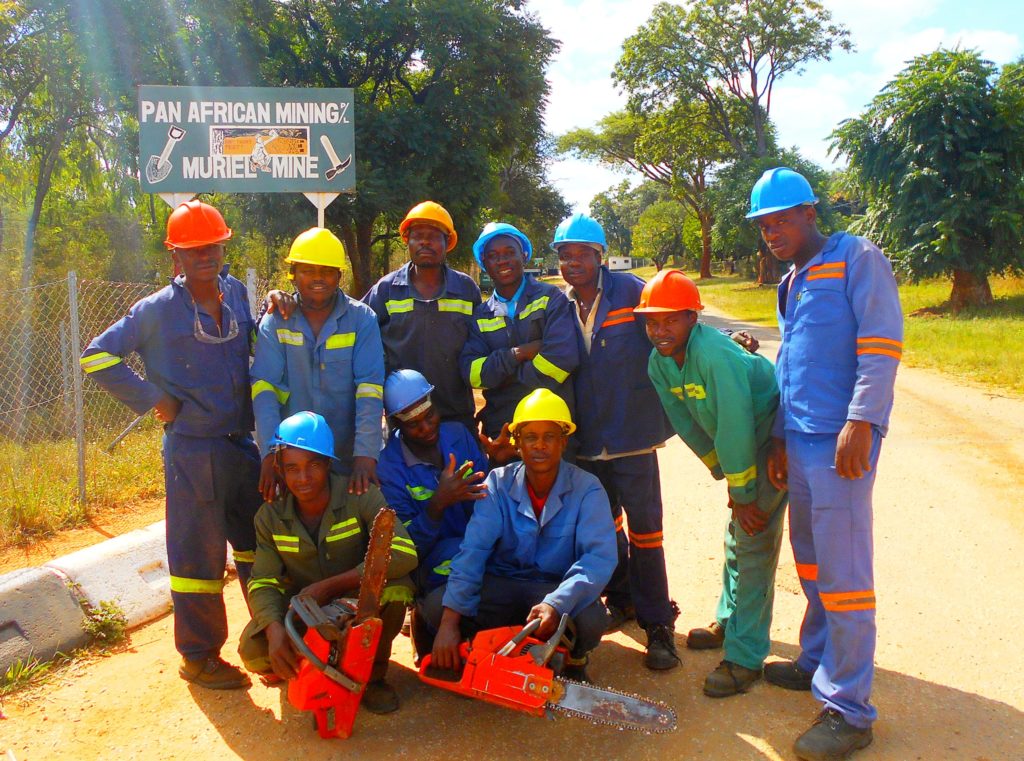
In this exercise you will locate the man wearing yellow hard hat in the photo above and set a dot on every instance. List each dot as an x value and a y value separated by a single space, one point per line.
424 309
327 359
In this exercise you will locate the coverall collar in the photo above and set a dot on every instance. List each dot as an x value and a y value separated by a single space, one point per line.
335 506
519 494
402 278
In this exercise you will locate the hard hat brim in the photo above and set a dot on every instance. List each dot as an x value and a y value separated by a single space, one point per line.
286 445
198 243
649 310
773 209
593 244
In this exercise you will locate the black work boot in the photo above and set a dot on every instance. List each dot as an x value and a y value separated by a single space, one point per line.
789 675
661 648
618 616
380 697
575 668
831 738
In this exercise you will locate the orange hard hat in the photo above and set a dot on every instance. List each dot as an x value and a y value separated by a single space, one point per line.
669 291
433 214
194 224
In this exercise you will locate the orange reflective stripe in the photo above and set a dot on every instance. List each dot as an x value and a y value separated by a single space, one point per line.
827 266
618 317
886 352
618 523
649 541
880 340
879 345
827 276
843 601
807 571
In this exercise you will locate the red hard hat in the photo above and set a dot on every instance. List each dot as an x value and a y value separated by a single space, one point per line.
194 224
669 291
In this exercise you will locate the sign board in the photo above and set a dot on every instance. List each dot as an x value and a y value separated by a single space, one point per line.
246 140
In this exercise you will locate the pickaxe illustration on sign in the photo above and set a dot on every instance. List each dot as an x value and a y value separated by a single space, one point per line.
337 165
158 167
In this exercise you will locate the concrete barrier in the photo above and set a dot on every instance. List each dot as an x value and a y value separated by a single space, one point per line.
130 570
39 615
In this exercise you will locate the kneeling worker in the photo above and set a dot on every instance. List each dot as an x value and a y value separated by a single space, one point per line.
540 544
313 540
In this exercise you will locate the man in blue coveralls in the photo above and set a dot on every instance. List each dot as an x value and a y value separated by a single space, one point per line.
842 339
194 337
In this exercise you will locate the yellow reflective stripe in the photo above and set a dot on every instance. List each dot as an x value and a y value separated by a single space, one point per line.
398 306
396 593
290 337
419 493
677 391
742 479
475 368
244 556
99 361
369 391
285 543
710 459
255 584
197 586
343 530
401 544
695 391
549 369
490 324
455 305
262 386
533 306
444 569
341 341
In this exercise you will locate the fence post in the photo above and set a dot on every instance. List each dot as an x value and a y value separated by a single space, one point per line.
76 352
250 285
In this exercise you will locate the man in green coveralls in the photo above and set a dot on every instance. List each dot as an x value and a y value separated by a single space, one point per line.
722 400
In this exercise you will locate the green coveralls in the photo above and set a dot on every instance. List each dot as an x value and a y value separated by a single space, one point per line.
722 403
288 560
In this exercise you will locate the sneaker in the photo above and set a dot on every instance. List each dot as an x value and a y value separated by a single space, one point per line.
710 637
617 616
380 697
788 675
213 673
729 679
661 648
831 738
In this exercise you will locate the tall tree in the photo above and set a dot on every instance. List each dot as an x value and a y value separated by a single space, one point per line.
619 208
658 234
939 156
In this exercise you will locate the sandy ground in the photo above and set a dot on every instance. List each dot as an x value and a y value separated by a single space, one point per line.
949 535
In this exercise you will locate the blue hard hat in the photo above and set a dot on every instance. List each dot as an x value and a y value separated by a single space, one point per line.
305 430
493 230
779 189
579 228
404 388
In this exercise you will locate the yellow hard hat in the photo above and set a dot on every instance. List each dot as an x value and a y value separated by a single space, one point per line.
318 245
542 405
432 213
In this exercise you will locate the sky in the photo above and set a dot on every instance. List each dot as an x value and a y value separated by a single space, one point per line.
806 107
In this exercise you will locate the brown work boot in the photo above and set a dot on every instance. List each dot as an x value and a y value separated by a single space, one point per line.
729 679
380 697
831 738
710 637
213 673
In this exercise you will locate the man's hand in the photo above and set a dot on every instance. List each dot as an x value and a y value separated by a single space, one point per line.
283 658
853 449
445 654
548 619
280 302
333 587
167 409
748 517
455 486
526 352
364 473
499 451
268 479
778 464
746 340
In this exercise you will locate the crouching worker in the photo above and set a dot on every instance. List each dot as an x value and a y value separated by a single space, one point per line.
540 544
722 401
313 541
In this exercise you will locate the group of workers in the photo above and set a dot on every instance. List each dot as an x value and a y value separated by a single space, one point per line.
548 500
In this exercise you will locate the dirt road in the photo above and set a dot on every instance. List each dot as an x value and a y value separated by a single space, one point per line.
949 536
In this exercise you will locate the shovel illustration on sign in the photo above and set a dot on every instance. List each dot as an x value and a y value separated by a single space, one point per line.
337 165
158 167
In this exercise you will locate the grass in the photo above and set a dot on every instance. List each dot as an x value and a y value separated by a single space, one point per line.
39 482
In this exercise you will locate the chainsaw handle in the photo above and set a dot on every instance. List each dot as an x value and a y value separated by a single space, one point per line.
299 643
523 633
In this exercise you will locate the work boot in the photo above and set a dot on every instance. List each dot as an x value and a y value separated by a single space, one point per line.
831 738
729 679
576 669
789 675
661 648
618 616
213 673
710 637
380 697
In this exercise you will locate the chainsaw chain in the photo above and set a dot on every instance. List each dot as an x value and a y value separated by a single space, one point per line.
603 722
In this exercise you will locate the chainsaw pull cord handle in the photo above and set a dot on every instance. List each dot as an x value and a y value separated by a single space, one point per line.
541 654
300 644
525 632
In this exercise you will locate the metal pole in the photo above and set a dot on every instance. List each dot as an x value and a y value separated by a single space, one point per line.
76 351
320 216
250 285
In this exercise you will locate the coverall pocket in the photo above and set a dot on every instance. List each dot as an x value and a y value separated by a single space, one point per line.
832 525
822 305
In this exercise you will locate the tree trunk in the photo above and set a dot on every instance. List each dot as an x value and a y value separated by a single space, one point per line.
362 264
767 266
47 163
706 221
969 290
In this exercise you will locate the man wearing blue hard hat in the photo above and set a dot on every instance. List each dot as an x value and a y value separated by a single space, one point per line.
520 339
431 473
842 339
313 540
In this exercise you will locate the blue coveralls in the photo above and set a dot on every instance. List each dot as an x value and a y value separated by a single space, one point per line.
211 465
619 423
842 339
338 374
542 313
427 335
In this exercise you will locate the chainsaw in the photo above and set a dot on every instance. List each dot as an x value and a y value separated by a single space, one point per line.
510 667
340 641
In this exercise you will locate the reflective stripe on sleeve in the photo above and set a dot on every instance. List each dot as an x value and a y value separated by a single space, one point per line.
475 368
880 345
99 361
197 586
244 556
742 479
262 386
549 368
419 493
369 391
710 459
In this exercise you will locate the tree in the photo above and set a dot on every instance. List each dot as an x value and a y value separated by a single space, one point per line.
658 234
618 209
939 156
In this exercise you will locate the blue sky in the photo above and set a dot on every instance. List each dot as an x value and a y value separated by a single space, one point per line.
805 107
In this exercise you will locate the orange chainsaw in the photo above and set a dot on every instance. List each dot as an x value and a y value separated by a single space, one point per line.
340 641
510 667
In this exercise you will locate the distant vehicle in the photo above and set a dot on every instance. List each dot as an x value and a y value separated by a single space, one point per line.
616 263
